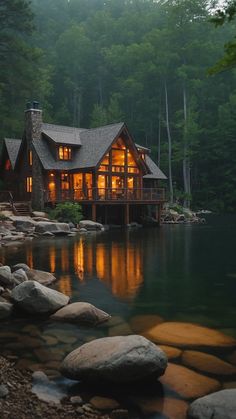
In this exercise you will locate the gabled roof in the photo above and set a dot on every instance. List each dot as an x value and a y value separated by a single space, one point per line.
13 147
62 134
156 173
94 144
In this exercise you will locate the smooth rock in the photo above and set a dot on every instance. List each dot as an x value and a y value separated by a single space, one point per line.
37 299
23 223
6 276
207 363
81 313
104 403
90 225
5 310
220 405
20 266
188 335
171 352
118 359
76 400
187 383
40 214
20 275
54 228
167 406
141 323
44 278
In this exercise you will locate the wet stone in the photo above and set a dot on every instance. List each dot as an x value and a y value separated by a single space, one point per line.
169 407
187 383
188 335
76 400
103 403
171 352
207 363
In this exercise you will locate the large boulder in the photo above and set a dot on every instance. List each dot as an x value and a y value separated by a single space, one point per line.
188 335
44 278
219 405
38 299
23 223
6 278
90 225
81 313
54 227
119 359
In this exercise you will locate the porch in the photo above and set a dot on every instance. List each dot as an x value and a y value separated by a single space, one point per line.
108 195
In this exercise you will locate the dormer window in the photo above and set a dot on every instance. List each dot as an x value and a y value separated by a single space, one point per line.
64 153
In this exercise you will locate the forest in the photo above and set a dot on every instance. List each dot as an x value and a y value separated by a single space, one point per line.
165 68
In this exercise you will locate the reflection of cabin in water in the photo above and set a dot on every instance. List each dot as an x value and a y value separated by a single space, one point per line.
101 168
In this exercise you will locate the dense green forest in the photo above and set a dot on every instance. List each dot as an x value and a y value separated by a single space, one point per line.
152 64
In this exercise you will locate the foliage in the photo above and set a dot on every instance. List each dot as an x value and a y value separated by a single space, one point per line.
91 63
67 212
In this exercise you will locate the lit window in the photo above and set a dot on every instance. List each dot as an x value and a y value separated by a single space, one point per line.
30 158
29 184
8 165
65 182
64 153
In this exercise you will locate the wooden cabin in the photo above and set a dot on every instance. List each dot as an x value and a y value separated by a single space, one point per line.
101 168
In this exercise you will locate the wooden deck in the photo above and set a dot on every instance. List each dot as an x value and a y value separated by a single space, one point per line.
109 196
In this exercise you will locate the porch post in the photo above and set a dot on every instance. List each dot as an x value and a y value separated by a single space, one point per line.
94 212
126 214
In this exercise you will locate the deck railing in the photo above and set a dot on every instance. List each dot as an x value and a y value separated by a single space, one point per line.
108 194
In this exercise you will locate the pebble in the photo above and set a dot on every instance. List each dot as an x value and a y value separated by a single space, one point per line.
3 391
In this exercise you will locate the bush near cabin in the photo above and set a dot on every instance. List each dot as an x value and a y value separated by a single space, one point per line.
67 212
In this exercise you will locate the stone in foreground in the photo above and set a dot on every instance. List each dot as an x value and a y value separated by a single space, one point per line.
119 359
207 363
5 310
81 313
188 384
220 405
38 299
44 278
188 335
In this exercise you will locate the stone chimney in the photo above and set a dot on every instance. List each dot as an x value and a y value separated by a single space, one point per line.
33 122
33 130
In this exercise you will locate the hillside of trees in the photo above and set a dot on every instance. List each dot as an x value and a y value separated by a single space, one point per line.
152 64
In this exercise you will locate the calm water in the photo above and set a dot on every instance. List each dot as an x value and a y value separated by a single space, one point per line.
179 272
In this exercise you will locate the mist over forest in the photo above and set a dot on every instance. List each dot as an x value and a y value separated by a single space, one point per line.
153 65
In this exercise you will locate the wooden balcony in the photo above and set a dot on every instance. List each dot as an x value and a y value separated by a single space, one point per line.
109 195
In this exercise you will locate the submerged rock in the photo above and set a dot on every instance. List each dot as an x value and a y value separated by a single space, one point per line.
38 299
189 335
119 359
81 313
141 323
187 383
220 405
207 363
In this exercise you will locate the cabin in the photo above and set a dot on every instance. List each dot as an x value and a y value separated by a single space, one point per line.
114 179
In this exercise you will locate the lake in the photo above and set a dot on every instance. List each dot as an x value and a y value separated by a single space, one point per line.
184 273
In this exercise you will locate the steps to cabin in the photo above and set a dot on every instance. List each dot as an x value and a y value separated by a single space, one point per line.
22 208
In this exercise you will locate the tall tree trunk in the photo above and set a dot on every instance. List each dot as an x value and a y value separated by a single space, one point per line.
186 160
169 146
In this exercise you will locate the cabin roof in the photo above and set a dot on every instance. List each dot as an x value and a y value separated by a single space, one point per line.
156 173
94 144
62 134
13 147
